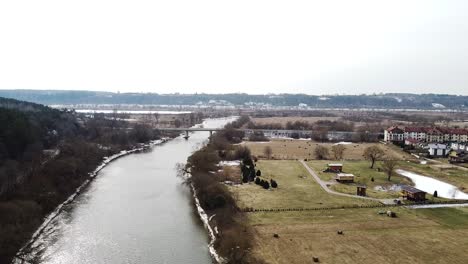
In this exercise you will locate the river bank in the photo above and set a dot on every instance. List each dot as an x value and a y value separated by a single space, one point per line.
92 175
231 236
136 211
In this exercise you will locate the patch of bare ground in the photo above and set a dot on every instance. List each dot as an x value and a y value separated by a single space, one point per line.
367 237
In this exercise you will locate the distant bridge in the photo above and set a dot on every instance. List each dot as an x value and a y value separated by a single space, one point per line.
271 132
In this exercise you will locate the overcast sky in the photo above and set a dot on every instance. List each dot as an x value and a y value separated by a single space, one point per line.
314 47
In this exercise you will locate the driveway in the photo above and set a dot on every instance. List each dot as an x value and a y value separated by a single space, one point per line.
324 186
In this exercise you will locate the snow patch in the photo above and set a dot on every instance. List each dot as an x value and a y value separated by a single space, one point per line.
229 163
436 105
343 143
204 217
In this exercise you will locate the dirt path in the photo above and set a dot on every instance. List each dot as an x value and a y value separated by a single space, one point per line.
324 186
449 164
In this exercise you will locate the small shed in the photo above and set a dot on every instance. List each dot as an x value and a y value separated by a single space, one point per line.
335 167
413 194
458 156
361 190
438 150
345 177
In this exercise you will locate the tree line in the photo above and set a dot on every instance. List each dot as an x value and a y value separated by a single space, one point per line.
392 100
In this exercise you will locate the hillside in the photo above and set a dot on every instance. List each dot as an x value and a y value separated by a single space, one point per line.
407 101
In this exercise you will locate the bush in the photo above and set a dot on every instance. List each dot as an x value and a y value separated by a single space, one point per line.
258 136
245 174
257 181
252 174
274 184
435 193
321 152
242 153
259 173
266 185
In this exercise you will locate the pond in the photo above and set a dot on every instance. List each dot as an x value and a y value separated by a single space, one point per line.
430 185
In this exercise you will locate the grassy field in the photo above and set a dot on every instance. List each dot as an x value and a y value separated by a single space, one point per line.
363 174
296 189
415 236
453 175
304 149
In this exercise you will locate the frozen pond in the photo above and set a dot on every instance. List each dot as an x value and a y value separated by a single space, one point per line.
430 185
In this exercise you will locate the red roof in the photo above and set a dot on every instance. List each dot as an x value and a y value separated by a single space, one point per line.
416 129
459 131
395 129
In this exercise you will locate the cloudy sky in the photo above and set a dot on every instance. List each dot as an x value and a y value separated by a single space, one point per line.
314 47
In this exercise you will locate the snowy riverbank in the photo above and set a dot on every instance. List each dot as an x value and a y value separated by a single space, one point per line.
71 198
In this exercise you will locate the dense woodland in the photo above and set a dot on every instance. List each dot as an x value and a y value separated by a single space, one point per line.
410 101
45 154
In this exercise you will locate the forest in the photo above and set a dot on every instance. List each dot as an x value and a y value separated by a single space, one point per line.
45 154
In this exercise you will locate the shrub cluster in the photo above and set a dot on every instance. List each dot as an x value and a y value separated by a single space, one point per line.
265 184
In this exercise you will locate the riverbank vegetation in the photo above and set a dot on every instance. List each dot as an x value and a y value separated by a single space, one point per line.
234 235
45 154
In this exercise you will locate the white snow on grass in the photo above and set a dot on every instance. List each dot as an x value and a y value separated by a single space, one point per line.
343 143
206 222
229 163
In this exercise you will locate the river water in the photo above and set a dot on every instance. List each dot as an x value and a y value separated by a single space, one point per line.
135 211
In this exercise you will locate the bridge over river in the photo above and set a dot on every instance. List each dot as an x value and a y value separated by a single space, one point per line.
338 135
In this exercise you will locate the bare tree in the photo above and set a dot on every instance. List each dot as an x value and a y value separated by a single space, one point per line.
156 118
114 117
267 151
373 153
338 151
177 123
388 166
321 152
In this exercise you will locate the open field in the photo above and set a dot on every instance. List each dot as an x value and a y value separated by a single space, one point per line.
304 149
296 189
284 120
461 124
363 174
415 236
341 117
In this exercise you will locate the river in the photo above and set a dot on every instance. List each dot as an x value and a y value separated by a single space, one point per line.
135 211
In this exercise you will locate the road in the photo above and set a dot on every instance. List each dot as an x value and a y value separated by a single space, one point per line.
324 186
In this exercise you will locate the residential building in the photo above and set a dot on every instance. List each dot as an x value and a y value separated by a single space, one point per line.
394 134
410 135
